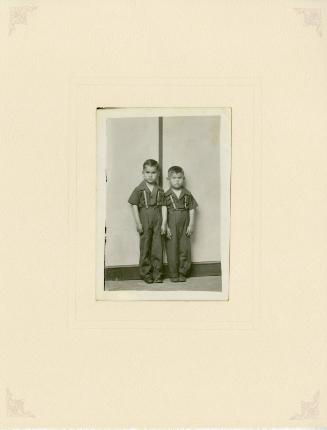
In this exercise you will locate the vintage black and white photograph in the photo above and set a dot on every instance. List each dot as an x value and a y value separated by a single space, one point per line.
163 203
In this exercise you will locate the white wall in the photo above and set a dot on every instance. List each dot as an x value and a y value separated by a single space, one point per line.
191 142
130 142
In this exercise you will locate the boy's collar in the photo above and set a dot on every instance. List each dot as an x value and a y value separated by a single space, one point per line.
183 192
143 186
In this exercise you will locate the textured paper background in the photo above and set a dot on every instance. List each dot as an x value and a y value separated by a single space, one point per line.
57 372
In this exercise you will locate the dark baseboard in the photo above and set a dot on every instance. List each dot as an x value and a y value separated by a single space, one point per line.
124 273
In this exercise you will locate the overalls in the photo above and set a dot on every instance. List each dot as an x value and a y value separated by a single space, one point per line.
178 248
151 242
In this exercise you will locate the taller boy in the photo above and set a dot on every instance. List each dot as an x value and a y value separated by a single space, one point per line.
150 217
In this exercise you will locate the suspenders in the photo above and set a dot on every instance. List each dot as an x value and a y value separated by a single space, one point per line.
145 199
172 200
186 201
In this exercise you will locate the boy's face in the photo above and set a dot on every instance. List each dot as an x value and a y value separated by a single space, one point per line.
150 174
176 180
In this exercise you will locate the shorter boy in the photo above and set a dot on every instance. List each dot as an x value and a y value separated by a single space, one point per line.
181 217
147 200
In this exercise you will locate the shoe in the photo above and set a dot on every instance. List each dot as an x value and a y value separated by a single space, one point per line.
148 280
182 278
158 280
174 279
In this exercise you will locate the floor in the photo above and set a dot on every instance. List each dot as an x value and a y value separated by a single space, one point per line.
203 283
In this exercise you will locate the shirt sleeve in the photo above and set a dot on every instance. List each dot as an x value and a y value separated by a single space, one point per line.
134 198
166 200
161 200
193 203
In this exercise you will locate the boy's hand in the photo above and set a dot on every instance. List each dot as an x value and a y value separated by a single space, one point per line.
169 235
163 228
139 228
190 230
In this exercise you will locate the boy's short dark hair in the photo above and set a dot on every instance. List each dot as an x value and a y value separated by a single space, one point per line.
151 163
175 169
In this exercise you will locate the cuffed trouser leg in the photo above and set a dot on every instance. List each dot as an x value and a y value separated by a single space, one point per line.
179 246
150 262
184 250
157 245
172 246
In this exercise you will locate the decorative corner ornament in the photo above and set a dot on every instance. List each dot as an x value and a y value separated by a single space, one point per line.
18 15
16 407
309 409
312 17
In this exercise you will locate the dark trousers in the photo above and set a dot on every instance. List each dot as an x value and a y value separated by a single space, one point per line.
179 246
151 246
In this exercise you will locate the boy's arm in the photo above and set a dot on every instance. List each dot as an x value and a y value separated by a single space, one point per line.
164 219
190 227
137 220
